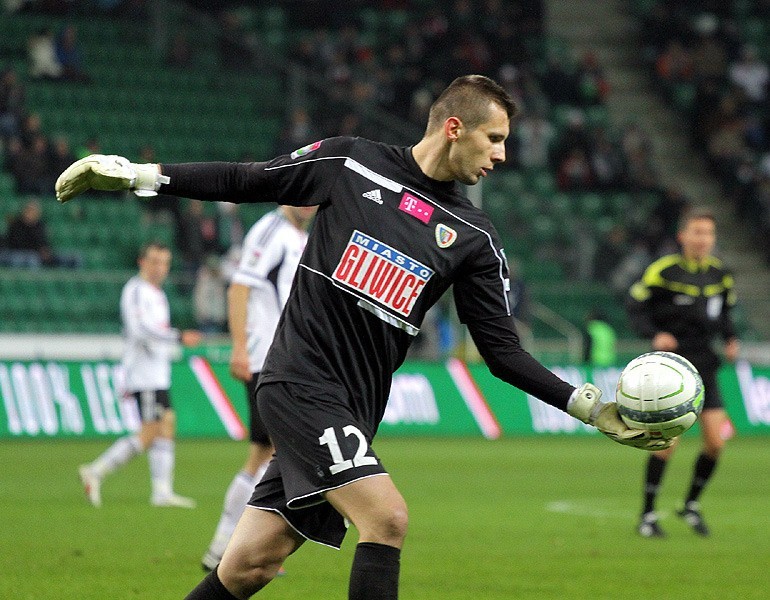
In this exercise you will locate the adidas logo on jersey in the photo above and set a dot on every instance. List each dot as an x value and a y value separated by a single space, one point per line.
374 196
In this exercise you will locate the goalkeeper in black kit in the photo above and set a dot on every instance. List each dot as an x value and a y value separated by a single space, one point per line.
393 232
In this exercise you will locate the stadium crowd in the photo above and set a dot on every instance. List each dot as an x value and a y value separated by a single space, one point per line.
394 56
711 60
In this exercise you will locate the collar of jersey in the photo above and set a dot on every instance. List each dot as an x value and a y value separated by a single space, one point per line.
693 266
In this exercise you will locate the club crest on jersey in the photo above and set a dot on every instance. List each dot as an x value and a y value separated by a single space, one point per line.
445 236
382 273
306 149
412 205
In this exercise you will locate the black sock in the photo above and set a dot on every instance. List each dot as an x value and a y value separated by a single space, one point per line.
210 588
704 469
652 478
374 575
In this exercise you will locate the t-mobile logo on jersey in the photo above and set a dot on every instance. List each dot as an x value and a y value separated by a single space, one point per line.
412 205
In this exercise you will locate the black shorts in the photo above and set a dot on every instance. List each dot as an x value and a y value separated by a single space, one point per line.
707 364
319 447
257 431
152 404
712 398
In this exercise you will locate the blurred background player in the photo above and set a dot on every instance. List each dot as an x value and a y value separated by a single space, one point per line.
256 297
149 340
682 303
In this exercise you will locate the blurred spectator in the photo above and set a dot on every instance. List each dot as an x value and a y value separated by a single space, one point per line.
70 56
630 268
27 242
61 156
42 62
12 99
534 136
31 127
751 75
641 174
30 166
675 64
230 227
574 172
705 110
210 297
606 163
635 140
574 136
297 133
727 146
599 340
232 54
611 250
592 85
709 55
673 203
90 146
558 83
196 236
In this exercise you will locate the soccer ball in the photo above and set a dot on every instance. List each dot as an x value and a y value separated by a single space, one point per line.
660 392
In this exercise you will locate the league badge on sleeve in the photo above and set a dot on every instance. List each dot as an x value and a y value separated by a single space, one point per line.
445 236
306 149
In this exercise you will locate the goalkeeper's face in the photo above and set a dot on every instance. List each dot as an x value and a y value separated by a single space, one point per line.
154 265
476 151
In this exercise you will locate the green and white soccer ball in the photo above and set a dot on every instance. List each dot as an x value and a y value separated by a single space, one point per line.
660 392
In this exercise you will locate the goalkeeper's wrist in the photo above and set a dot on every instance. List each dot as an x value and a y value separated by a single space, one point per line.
148 179
584 403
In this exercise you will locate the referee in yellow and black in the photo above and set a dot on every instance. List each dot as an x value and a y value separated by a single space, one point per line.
683 303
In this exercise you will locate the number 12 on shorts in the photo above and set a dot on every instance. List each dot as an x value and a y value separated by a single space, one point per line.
329 438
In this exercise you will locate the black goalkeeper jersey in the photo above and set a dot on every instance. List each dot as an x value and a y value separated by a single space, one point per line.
386 243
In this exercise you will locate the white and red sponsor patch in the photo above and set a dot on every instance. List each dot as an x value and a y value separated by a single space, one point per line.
306 149
382 273
419 209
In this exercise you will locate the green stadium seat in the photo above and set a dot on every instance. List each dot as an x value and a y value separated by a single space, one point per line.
683 96
590 206
542 271
544 229
560 206
542 183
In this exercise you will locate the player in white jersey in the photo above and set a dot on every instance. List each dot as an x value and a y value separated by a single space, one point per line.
257 294
149 340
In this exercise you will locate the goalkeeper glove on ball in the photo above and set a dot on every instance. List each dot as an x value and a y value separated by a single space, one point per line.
586 405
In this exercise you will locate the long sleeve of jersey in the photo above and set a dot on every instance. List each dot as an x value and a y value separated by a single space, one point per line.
499 345
298 179
231 182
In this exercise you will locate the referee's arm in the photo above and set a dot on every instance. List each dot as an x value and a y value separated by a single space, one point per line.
638 310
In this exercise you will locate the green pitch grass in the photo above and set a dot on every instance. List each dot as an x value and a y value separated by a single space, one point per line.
530 518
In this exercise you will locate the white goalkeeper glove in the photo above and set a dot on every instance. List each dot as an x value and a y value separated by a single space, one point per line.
586 405
108 173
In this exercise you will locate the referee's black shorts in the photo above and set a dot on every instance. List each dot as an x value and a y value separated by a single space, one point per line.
319 446
257 431
707 364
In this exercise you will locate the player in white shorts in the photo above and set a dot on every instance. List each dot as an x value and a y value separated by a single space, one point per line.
257 294
149 340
